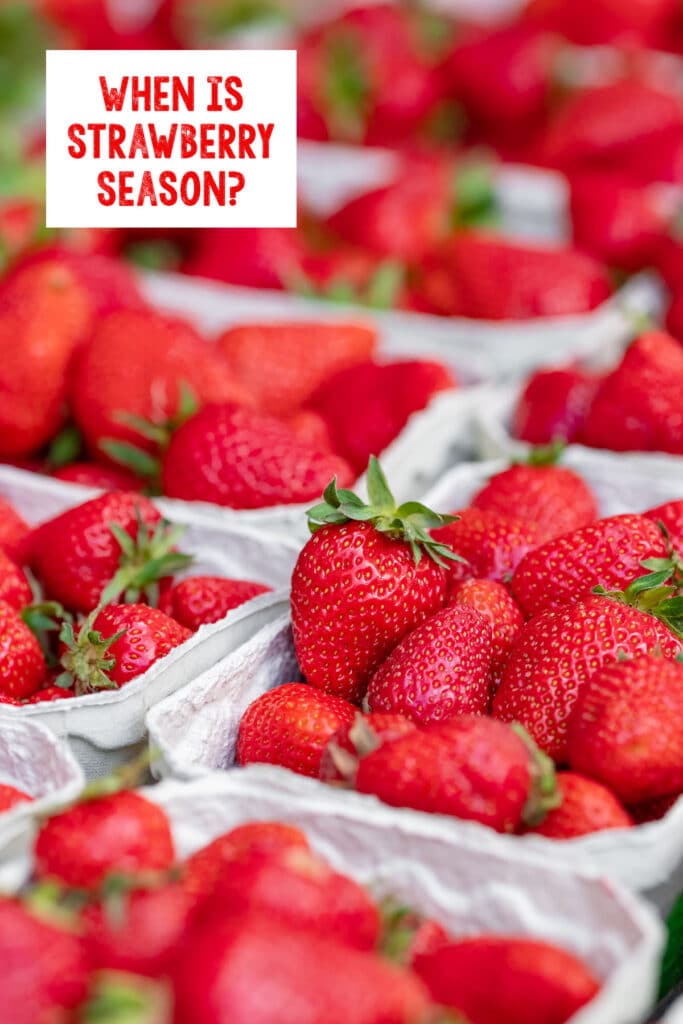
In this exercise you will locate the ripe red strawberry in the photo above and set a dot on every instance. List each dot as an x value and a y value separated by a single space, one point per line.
281 364
608 553
106 546
383 397
14 587
637 406
93 474
220 977
116 644
492 545
10 796
361 584
43 971
348 274
13 531
290 726
555 499
670 515
627 728
295 888
653 810
358 738
595 22
203 869
495 602
309 426
241 458
486 277
157 360
254 257
49 693
553 406
558 651
126 834
22 665
586 807
440 669
469 766
198 600
533 980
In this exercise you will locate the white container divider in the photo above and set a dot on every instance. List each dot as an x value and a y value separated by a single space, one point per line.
674 1015
105 729
196 730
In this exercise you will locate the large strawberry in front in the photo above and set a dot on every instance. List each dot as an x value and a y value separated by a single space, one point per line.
368 575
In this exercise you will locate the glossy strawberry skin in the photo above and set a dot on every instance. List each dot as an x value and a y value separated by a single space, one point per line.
627 728
13 532
355 594
242 459
555 499
469 767
670 514
608 553
127 834
534 980
22 665
198 600
75 555
586 807
553 406
382 728
558 651
10 796
14 587
441 669
495 602
290 726
149 636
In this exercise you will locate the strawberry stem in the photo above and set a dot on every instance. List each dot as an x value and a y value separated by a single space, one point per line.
145 559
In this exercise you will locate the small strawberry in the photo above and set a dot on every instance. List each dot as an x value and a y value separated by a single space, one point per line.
626 730
553 406
555 499
361 583
116 644
15 589
533 980
290 726
114 545
586 807
22 665
10 796
13 531
126 834
383 397
49 693
355 739
470 767
92 474
495 602
244 459
440 669
281 364
198 600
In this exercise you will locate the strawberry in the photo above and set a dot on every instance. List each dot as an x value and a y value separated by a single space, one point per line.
670 516
553 406
220 977
441 669
309 426
533 980
627 729
281 364
13 531
608 553
158 361
653 810
44 974
93 474
492 545
10 796
383 397
487 277
347 274
126 834
14 587
290 726
594 22
555 499
198 600
254 257
361 583
22 665
115 544
244 459
559 650
49 693
295 888
499 608
470 767
357 738
116 644
674 316
586 807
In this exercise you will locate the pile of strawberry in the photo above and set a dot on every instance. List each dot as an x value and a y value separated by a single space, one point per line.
99 389
253 928
102 604
635 407
517 664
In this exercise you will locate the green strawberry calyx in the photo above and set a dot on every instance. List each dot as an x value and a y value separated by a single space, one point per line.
86 660
658 592
409 522
145 559
119 998
544 796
